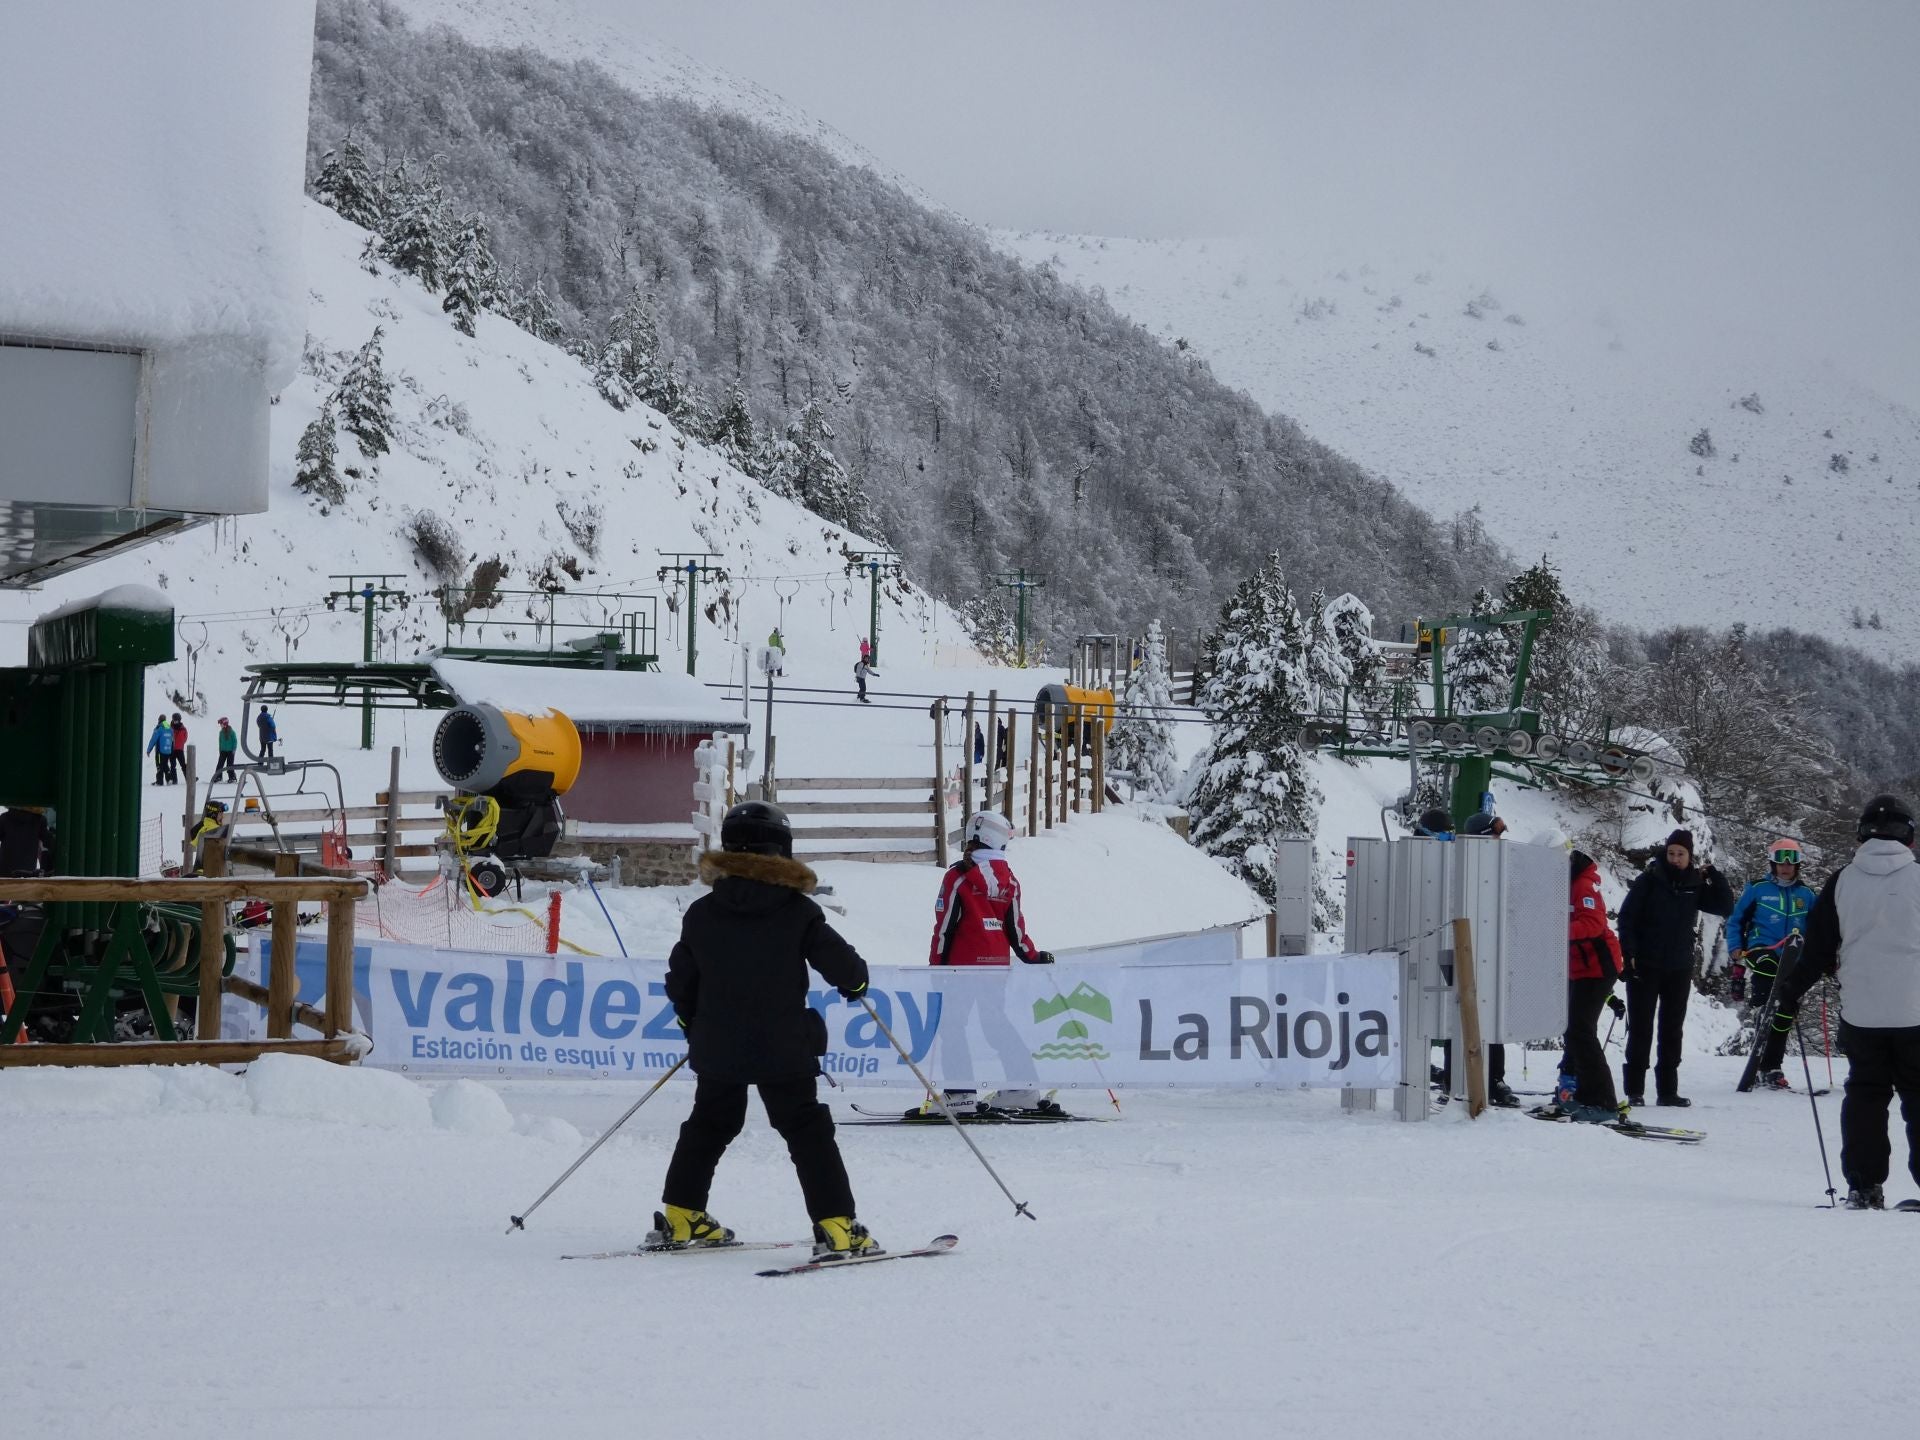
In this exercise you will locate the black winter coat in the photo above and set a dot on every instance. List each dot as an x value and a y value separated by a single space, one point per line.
738 974
1661 915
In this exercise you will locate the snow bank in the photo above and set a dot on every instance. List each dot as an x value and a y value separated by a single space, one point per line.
298 1087
155 156
467 1107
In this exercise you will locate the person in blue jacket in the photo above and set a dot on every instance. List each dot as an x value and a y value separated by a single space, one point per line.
1766 913
160 746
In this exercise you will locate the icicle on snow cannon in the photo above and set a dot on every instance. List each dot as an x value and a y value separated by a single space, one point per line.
508 770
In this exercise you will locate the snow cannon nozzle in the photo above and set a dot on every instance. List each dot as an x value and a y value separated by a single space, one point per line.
485 750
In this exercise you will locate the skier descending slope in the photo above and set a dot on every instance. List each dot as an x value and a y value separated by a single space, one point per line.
977 921
1865 928
737 978
1767 912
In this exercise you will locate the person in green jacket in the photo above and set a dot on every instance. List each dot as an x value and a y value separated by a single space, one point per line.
229 743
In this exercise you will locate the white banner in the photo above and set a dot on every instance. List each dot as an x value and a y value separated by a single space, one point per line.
1324 1021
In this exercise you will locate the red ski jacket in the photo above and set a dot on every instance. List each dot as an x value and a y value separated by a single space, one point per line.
977 919
1593 952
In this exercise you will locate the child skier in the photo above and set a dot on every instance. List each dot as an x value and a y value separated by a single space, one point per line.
1767 912
160 746
977 921
738 982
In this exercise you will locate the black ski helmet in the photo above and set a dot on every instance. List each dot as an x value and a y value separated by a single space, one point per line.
755 827
1436 822
1887 817
1479 823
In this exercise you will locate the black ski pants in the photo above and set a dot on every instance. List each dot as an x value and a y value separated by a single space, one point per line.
1586 1057
1880 1062
1656 1001
719 1112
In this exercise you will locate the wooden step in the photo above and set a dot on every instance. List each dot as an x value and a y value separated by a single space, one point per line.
857 807
881 782
863 832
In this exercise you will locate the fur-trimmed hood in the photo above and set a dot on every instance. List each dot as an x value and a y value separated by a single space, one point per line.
717 865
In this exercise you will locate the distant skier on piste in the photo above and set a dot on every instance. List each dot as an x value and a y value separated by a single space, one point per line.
1865 930
1767 912
737 979
977 921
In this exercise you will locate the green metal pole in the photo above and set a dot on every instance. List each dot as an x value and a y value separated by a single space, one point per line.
1472 779
366 655
693 613
1523 664
873 614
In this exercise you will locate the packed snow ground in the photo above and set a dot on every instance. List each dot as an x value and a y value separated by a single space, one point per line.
307 1248
1564 420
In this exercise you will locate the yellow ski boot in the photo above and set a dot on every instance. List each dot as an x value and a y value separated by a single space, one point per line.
678 1228
841 1236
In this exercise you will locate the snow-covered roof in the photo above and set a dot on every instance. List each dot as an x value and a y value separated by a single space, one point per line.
142 598
601 699
155 155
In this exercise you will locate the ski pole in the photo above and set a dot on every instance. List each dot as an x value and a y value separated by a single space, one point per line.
1806 1066
520 1221
1019 1206
1826 1039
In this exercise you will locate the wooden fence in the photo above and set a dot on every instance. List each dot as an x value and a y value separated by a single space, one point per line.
213 895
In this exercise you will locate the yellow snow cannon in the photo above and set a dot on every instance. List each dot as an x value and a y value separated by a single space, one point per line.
511 756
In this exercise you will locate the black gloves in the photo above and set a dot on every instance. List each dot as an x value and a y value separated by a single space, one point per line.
1041 957
1617 1006
853 992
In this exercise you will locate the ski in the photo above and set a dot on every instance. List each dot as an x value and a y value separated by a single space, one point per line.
638 1252
939 1245
1633 1128
1912 1207
994 1117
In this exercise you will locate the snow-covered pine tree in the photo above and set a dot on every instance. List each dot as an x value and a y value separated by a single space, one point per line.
810 472
414 237
1480 663
1566 681
471 277
314 460
1328 673
1253 783
347 184
1141 742
1350 622
732 432
628 368
365 398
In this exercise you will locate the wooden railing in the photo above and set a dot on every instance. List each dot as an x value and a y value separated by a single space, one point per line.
279 997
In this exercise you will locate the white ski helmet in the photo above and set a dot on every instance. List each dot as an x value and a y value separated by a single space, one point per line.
990 829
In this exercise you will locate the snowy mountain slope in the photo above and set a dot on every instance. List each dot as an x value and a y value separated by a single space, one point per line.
1570 432
563 30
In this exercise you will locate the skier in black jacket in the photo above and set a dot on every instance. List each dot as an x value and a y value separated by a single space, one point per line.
1659 923
1865 928
737 978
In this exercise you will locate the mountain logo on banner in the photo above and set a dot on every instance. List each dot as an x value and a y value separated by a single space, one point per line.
1073 1040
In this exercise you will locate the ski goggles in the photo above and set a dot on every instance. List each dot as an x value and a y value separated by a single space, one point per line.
1786 856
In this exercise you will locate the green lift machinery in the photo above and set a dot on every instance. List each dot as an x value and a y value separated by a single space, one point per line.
72 727
1511 743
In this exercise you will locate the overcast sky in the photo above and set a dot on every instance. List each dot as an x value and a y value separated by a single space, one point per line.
1745 169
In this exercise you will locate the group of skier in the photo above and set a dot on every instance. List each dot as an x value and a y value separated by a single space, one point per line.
738 980
1863 928
168 746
